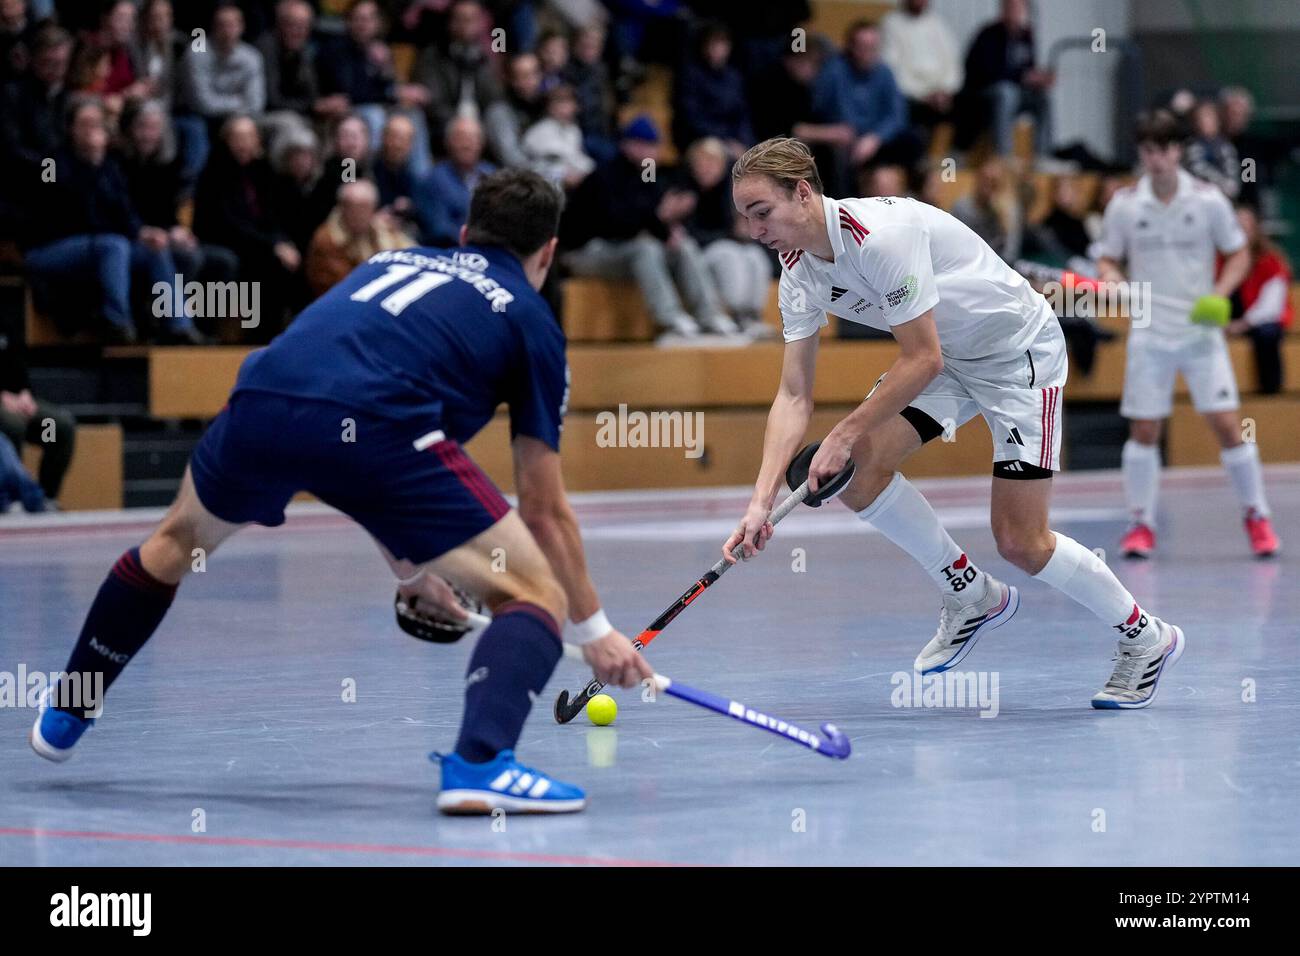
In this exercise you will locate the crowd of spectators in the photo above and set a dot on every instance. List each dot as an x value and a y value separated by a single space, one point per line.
146 143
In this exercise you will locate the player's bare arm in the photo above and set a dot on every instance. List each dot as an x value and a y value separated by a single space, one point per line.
546 511
787 423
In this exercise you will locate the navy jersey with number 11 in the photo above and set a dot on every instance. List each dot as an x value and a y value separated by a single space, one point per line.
438 336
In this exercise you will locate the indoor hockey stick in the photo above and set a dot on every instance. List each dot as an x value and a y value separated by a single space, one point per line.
567 708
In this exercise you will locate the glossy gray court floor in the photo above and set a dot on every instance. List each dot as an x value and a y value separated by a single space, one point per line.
228 741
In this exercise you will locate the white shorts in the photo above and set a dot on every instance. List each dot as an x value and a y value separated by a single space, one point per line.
1019 396
1149 378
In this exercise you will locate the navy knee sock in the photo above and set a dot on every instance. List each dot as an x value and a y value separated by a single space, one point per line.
515 655
130 605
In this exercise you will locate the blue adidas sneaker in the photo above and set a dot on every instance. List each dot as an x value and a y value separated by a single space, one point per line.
502 783
56 732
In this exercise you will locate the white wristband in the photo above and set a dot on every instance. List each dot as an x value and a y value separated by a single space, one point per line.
592 629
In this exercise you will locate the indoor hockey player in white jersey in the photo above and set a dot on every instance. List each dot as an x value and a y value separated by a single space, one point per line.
1166 231
974 339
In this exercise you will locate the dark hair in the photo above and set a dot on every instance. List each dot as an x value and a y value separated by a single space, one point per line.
50 37
515 208
1160 127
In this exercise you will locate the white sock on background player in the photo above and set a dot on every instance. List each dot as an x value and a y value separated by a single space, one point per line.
1246 474
902 515
1141 469
1077 572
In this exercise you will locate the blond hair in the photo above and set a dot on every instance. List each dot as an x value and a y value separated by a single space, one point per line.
784 159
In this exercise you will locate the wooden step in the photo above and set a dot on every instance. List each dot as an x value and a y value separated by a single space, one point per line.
94 478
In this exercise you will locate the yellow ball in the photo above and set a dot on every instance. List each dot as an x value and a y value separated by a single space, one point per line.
602 710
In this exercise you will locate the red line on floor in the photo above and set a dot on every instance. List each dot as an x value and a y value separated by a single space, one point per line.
505 856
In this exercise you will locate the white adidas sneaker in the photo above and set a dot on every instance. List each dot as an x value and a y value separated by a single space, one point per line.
1139 664
960 625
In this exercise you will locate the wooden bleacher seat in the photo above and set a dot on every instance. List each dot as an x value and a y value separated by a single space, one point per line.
41 329
1275 421
94 478
834 17
605 310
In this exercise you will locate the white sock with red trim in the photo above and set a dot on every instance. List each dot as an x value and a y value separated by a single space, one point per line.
1247 476
1075 571
902 515
1140 466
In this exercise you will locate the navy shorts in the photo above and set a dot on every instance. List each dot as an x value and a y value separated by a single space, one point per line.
415 491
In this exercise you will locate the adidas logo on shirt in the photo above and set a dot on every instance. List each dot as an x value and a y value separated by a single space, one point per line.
836 292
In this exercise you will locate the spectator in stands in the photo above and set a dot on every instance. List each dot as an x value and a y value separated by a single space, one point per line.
359 66
993 209
117 36
160 52
741 269
554 143
1262 303
235 206
1062 236
353 232
34 106
87 226
442 201
289 57
761 33
885 181
296 162
1002 82
458 70
918 46
157 49
621 226
586 73
521 107
23 417
1209 155
931 189
348 160
225 76
15 483
1093 219
786 94
709 95
394 172
859 89
17 31
552 57
154 182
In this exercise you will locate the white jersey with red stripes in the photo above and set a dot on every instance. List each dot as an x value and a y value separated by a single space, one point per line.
895 259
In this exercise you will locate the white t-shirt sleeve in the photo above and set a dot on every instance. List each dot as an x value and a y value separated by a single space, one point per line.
1113 243
896 262
799 317
1224 228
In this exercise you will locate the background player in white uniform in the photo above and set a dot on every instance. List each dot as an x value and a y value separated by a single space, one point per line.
974 339
1166 231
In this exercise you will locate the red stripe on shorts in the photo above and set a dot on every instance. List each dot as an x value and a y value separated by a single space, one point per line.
469 475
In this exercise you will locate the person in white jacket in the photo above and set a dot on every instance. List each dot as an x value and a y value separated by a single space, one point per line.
921 50
554 143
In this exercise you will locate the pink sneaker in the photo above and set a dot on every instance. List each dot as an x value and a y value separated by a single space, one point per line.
1139 542
1260 532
